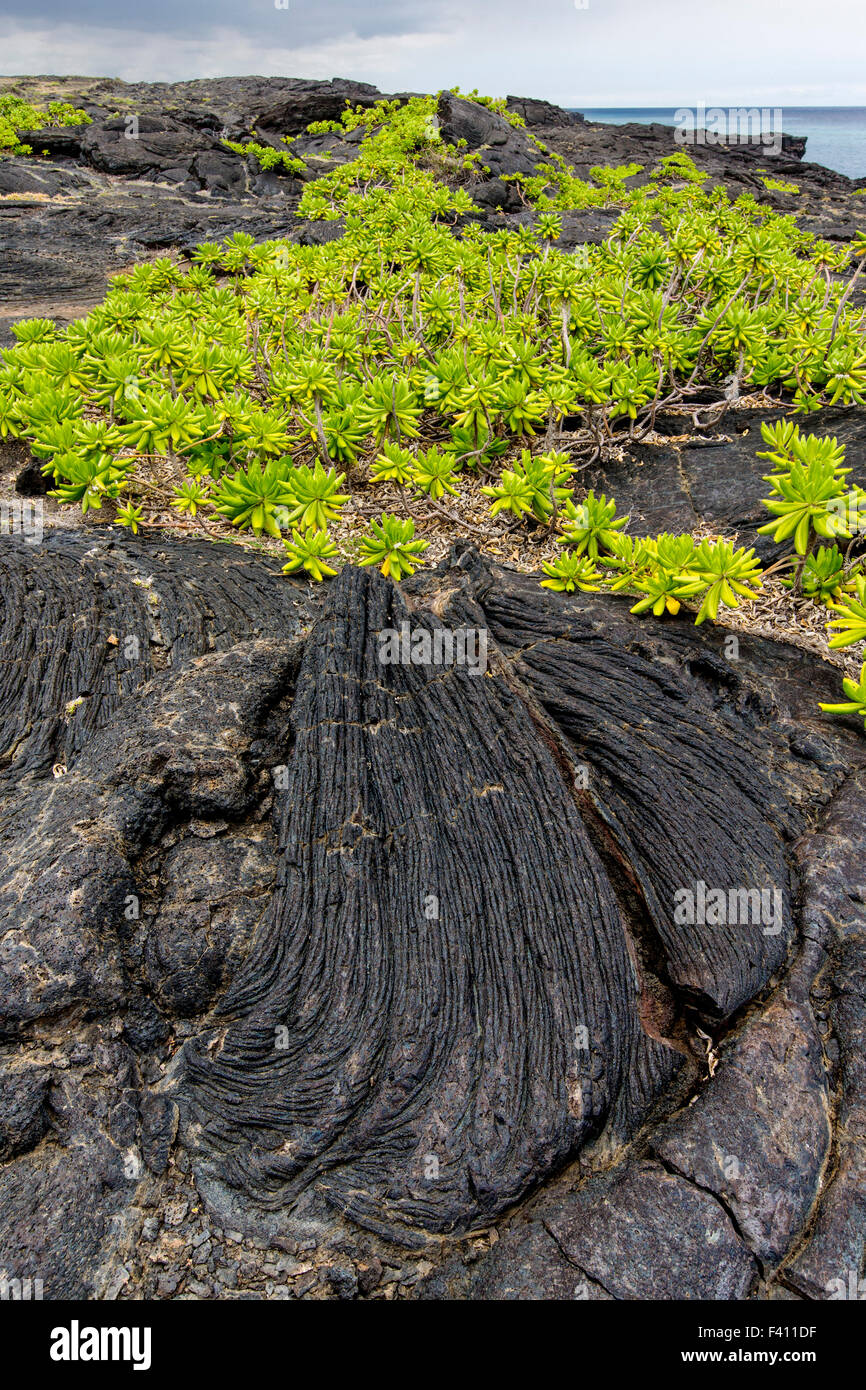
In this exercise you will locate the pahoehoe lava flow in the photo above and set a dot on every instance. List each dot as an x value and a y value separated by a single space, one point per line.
422 1070
406 943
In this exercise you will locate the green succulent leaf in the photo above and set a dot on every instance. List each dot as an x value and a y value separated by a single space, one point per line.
310 551
391 545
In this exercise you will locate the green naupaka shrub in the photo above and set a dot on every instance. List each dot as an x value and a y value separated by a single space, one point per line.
434 473
671 570
536 486
719 573
665 571
88 480
592 525
17 115
311 552
822 575
811 500
780 185
390 543
851 625
415 348
852 616
809 491
191 496
317 495
267 157
394 464
571 571
252 496
856 702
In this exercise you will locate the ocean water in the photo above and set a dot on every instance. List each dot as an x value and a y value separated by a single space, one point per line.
836 135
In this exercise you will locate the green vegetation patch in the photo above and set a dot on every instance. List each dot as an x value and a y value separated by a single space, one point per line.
17 115
416 352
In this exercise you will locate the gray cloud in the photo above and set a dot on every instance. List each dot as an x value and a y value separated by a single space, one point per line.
614 52
306 22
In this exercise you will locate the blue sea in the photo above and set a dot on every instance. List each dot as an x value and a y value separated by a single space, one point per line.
836 135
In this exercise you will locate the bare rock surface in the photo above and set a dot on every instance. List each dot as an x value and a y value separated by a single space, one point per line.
323 977
429 1072
759 1137
149 173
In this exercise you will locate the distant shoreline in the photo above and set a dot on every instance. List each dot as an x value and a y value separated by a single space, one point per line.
835 135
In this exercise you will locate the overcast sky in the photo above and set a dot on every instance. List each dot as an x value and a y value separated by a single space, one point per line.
612 53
